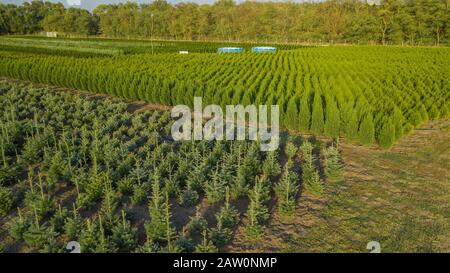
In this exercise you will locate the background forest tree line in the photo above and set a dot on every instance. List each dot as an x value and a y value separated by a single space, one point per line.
410 22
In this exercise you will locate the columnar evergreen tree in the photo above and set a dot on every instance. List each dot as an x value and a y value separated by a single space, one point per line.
36 129
386 136
292 116
304 114
366 131
351 126
332 120
398 121
317 120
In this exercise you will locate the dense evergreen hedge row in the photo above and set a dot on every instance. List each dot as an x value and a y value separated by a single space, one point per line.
367 94
82 47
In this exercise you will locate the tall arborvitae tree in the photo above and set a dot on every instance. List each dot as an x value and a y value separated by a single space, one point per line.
366 133
398 121
423 112
292 116
317 121
332 120
352 126
304 113
414 117
433 112
386 137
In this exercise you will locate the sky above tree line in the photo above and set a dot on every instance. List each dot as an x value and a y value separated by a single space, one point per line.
91 4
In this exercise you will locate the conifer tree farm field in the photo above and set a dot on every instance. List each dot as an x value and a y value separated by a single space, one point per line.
367 94
89 153
86 169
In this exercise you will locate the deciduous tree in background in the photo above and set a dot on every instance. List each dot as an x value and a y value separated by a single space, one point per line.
390 21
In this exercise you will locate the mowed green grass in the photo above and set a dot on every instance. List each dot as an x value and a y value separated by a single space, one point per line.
399 198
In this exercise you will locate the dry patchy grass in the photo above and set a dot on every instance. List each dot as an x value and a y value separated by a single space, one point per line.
398 197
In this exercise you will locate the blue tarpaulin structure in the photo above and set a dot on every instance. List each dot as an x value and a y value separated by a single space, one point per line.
230 50
259 49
